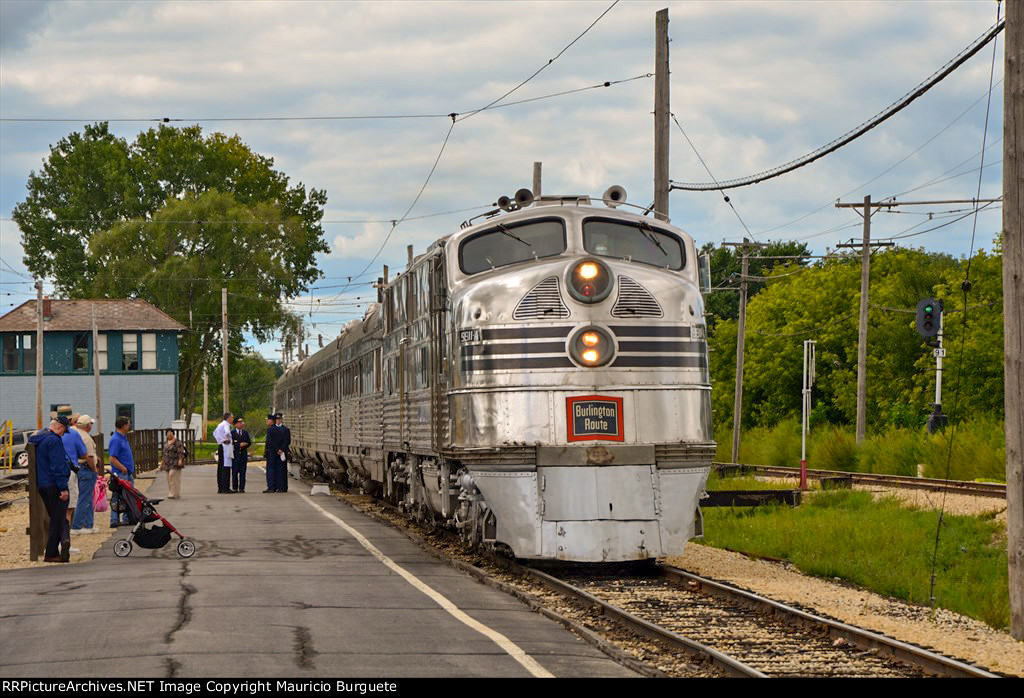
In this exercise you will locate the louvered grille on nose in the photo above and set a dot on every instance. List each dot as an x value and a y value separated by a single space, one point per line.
634 301
543 301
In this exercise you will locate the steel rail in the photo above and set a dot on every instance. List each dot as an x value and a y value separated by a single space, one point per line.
727 664
930 662
984 489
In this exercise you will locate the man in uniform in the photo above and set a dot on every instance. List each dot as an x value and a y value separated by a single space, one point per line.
241 440
225 454
286 451
274 449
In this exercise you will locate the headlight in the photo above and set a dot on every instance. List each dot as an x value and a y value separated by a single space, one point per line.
589 281
591 346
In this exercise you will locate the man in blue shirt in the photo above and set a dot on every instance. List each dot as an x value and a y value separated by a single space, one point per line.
52 471
122 464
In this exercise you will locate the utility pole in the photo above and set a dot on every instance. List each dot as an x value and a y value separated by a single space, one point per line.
96 369
39 354
206 400
661 115
1013 305
869 209
737 408
224 342
862 331
536 179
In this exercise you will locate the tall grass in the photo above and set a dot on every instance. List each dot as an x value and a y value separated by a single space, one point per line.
978 452
880 545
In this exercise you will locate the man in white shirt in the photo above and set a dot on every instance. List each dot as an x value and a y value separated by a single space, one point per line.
225 452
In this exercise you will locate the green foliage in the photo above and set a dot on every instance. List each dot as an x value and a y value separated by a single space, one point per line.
978 452
833 448
821 302
171 218
726 268
979 449
880 545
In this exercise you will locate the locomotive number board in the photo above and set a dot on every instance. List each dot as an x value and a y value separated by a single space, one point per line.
593 418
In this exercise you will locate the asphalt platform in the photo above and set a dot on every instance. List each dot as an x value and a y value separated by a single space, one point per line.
281 585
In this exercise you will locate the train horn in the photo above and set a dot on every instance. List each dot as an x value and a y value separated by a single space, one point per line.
614 196
504 203
524 197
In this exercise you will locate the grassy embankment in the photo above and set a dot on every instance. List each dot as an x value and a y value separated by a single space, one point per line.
878 544
979 449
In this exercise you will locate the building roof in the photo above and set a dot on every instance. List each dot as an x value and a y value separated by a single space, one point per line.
76 316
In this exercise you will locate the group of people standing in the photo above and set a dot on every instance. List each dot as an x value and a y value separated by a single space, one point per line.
233 442
67 468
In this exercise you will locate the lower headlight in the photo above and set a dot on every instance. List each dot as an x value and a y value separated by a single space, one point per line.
592 346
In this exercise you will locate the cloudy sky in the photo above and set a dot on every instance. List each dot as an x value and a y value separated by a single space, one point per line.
754 84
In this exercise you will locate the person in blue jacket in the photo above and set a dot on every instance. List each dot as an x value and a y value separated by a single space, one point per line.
53 468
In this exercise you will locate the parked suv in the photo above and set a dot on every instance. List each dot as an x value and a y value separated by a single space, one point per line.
19 452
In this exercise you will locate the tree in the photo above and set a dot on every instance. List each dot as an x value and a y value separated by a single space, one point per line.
172 218
726 266
93 180
821 303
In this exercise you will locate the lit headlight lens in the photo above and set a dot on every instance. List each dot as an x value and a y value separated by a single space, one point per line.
592 346
589 281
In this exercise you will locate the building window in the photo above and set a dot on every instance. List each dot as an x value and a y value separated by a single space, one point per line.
101 350
19 354
80 356
149 352
130 352
122 410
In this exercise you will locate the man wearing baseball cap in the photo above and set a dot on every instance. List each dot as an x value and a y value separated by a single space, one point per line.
88 472
52 472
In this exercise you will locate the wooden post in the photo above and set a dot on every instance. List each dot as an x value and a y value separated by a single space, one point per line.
661 115
96 368
862 330
1013 305
224 343
737 407
39 354
206 400
536 179
38 521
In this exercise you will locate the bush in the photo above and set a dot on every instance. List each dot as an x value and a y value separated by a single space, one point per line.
895 451
833 449
979 451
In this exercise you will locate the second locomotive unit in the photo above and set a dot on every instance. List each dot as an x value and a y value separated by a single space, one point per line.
538 381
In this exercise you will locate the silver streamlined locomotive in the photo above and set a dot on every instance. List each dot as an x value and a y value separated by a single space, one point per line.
538 381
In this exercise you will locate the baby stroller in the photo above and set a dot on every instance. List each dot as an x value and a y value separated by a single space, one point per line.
150 530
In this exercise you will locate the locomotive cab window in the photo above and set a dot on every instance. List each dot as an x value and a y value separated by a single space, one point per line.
639 242
511 244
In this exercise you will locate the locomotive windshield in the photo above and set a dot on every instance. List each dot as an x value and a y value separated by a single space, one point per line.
639 242
509 244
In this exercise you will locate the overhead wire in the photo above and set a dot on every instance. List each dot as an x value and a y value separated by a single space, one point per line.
854 133
966 288
538 71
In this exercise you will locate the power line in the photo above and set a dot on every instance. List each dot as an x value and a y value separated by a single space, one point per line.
538 71
834 145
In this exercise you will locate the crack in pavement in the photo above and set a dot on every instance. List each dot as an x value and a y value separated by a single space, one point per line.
184 608
303 645
172 667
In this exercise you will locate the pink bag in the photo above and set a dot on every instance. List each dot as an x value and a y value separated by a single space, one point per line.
99 495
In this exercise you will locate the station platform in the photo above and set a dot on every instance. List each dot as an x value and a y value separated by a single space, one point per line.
281 585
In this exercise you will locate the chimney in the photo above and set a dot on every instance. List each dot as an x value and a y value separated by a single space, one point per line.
47 308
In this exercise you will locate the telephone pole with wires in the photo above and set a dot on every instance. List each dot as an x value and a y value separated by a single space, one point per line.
661 115
1013 305
737 409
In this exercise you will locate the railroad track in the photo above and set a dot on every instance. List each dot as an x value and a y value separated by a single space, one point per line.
983 489
743 634
736 632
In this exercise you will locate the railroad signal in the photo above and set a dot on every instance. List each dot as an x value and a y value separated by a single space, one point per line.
929 311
